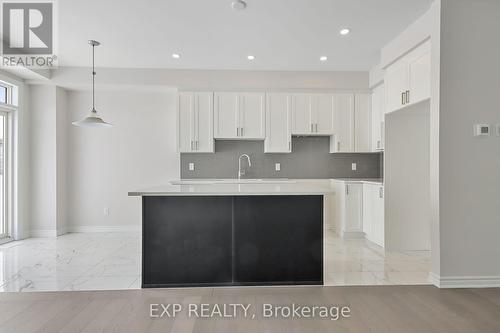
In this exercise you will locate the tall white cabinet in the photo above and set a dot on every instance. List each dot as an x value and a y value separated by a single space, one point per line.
239 116
278 123
195 122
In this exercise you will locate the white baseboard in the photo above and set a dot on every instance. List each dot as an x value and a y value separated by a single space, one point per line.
104 228
43 233
465 281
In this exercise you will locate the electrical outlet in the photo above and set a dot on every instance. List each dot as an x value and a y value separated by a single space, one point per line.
354 166
277 167
191 166
106 211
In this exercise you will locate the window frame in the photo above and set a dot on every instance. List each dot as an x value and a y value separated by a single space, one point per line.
6 110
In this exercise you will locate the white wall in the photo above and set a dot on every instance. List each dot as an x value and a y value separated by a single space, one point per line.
148 79
43 161
61 160
104 164
469 167
407 189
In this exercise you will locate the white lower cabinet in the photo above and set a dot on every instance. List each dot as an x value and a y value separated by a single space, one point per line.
373 213
348 209
358 210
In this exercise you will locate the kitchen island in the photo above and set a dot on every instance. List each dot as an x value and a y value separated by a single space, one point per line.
222 234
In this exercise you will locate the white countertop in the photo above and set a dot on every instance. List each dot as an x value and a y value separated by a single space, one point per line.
377 181
296 188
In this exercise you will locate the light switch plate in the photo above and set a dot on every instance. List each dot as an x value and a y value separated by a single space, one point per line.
191 166
354 166
277 166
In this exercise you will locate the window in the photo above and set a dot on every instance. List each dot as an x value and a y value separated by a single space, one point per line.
6 110
3 94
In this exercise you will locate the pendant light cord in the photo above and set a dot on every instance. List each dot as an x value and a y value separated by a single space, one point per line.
93 78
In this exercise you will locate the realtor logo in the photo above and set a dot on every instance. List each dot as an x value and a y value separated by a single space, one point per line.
28 34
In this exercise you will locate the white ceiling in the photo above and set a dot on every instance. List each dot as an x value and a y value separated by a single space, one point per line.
282 34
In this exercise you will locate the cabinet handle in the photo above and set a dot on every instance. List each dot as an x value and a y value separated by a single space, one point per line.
241 131
378 143
338 146
407 97
312 126
403 99
237 131
346 189
192 145
381 192
316 128
197 145
289 146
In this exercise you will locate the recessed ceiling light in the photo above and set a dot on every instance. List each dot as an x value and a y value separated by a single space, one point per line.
176 55
323 58
345 31
238 5
251 57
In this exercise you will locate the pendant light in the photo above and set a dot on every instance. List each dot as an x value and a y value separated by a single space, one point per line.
92 120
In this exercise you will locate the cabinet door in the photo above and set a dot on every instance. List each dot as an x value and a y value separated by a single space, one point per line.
362 123
343 124
377 118
226 116
278 124
354 201
396 84
323 114
252 115
301 114
368 210
419 64
278 239
379 216
185 122
178 250
203 122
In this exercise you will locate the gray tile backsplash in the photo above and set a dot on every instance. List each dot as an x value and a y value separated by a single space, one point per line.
310 159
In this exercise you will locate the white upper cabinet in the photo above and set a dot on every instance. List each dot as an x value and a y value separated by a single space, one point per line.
239 116
278 123
226 124
362 123
195 126
323 114
312 114
342 141
378 118
408 80
301 114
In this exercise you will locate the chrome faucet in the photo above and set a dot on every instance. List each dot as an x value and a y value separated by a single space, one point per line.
242 172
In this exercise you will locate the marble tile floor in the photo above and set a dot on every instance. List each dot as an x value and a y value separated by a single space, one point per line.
112 261
360 262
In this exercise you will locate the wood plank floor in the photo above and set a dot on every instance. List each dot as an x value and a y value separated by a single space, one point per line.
373 309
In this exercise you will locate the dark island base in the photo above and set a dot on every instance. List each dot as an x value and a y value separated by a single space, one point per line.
197 241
